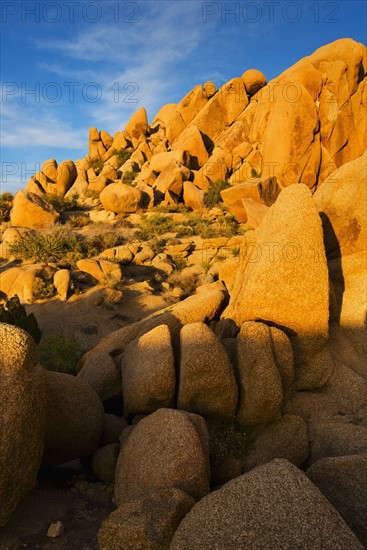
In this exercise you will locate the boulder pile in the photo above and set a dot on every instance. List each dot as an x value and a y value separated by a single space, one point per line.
242 416
232 133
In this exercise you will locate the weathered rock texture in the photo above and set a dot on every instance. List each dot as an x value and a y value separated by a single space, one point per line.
148 373
31 210
274 506
207 384
74 419
22 417
265 372
343 481
166 449
149 522
342 203
282 280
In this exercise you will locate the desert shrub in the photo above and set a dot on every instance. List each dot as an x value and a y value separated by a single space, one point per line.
60 353
47 246
62 204
227 225
96 163
79 221
179 262
206 265
101 241
42 289
128 177
236 251
122 155
14 313
157 245
201 226
212 196
154 226
187 282
123 221
6 203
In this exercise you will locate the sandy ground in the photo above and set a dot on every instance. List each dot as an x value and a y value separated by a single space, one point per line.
89 316
60 495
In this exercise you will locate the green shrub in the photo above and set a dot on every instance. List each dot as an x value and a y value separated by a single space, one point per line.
6 203
62 204
157 245
187 282
60 353
47 246
212 196
102 241
128 177
15 314
122 155
42 289
180 262
96 163
79 221
154 226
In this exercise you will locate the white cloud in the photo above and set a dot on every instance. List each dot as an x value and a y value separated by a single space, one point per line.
135 62
32 126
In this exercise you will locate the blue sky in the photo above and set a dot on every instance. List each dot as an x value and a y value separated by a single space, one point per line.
69 65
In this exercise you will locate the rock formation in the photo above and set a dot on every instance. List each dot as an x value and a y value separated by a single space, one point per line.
22 414
256 373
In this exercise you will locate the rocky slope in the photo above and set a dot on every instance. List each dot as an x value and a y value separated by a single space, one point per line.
254 384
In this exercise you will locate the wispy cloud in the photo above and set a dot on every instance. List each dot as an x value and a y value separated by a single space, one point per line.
137 64
36 126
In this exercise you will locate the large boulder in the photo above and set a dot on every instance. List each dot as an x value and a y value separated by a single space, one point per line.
31 210
221 110
253 80
74 419
22 417
137 126
193 196
342 107
342 203
148 522
283 262
148 373
166 449
160 161
333 437
264 191
19 281
121 198
287 438
66 176
343 481
100 372
207 384
171 178
191 140
297 155
265 372
273 506
191 104
104 271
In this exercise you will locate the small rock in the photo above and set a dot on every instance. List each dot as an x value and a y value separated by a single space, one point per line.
55 529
